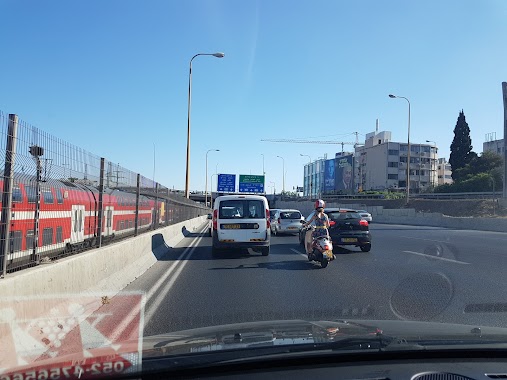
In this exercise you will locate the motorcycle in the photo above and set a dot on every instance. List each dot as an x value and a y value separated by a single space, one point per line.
322 250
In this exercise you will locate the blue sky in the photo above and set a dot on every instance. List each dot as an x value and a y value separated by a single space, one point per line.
112 77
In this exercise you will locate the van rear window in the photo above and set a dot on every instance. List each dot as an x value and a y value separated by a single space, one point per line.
241 209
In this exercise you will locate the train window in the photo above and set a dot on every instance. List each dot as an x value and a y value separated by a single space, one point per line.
59 197
118 225
16 194
16 238
131 224
59 234
75 220
31 194
48 196
81 220
122 225
47 236
29 239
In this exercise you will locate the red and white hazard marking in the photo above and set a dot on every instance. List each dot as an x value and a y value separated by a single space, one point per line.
70 337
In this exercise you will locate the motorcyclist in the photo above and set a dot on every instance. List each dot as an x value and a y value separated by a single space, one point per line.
321 222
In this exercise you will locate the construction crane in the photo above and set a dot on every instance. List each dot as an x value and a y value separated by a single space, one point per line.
296 141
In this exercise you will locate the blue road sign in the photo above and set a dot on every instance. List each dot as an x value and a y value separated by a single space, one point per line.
226 183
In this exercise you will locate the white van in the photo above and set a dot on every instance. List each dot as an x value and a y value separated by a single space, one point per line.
241 221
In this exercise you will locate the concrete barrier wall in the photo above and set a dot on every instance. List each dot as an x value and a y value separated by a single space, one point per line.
409 216
306 207
106 270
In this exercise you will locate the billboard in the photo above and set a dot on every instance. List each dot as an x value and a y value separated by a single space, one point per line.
329 175
251 183
344 173
226 183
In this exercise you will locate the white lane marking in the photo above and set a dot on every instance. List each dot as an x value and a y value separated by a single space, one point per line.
302 254
182 260
162 279
125 323
450 242
437 258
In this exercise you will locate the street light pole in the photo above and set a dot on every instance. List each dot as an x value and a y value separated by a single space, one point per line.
211 192
263 173
273 186
187 172
283 174
206 185
408 145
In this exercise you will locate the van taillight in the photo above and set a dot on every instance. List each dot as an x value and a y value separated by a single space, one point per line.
215 214
268 225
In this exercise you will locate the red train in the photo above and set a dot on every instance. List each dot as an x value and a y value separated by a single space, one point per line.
68 218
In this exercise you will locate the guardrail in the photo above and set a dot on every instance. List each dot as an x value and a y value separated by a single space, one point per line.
481 195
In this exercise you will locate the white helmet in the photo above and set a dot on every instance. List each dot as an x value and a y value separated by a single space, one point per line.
320 204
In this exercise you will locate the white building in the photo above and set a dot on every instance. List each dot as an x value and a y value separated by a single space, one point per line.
382 164
497 146
444 171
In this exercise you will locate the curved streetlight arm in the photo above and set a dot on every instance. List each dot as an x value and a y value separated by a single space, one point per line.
408 145
187 171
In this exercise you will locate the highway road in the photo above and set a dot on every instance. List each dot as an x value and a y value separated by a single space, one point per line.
412 273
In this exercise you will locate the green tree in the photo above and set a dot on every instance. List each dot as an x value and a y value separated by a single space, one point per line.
461 147
484 163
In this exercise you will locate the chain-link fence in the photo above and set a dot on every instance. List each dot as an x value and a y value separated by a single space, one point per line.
58 199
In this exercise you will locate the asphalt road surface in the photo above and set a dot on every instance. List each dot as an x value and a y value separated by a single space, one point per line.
412 273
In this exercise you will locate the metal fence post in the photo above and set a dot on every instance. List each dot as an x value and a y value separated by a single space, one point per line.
155 211
166 215
101 202
5 224
138 192
36 152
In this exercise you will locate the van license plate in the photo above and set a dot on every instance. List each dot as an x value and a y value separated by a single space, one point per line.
232 226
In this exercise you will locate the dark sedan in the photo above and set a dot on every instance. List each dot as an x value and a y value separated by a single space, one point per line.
347 227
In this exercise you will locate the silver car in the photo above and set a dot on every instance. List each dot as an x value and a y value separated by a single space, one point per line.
365 215
286 222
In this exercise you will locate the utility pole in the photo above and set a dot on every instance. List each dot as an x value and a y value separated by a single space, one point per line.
504 90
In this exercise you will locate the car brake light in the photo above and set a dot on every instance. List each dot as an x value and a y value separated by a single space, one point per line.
363 222
332 222
215 214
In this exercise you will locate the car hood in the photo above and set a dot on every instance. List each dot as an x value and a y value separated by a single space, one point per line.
303 332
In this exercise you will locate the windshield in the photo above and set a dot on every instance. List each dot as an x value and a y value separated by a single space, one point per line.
142 143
